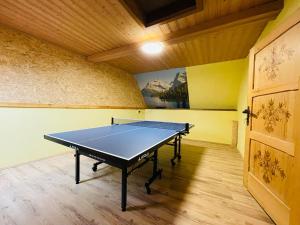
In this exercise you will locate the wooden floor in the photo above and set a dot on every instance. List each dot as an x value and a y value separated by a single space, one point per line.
204 188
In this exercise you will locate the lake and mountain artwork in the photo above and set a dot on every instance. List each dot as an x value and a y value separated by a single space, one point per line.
164 89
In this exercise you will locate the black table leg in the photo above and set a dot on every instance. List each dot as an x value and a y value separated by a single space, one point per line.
179 147
124 189
155 172
77 167
175 151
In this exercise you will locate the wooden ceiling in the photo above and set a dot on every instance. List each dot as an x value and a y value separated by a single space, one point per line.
103 30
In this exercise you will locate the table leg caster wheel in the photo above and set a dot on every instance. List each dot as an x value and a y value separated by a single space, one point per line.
147 188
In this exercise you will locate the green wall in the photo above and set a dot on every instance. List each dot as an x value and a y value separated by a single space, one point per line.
22 130
216 85
290 6
210 125
242 105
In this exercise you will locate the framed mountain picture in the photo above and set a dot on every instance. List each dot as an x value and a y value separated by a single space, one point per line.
165 88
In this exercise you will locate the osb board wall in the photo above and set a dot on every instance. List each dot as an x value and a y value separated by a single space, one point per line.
37 73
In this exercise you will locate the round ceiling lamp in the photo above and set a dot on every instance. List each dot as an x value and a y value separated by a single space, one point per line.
152 48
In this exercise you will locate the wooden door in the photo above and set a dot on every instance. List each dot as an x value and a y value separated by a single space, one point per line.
272 157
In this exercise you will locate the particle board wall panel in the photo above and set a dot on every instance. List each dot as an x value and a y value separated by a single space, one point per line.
38 73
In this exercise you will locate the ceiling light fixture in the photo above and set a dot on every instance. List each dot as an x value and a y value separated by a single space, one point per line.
152 48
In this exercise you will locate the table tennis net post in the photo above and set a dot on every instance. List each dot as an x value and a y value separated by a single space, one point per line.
154 124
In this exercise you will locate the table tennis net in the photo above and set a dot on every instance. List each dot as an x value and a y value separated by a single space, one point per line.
152 124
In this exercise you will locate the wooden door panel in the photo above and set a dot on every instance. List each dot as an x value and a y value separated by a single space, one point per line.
278 63
272 167
276 209
273 120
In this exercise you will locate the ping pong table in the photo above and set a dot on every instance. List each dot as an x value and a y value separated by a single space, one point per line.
125 144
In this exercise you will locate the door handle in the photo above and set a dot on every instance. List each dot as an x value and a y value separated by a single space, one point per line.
249 114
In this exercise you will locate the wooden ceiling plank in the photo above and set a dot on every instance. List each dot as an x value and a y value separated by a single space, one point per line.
120 23
42 35
196 49
199 50
258 13
33 30
74 27
263 12
253 33
189 51
108 23
84 26
134 10
90 27
43 21
54 16
225 47
132 30
174 50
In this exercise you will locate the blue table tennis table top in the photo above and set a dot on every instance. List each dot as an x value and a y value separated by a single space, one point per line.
124 141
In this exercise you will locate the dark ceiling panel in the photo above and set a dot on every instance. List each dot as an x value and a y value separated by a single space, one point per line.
153 12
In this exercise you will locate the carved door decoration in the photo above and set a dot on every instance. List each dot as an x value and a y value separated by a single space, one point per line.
272 157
